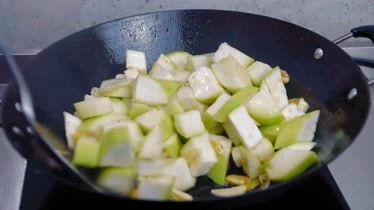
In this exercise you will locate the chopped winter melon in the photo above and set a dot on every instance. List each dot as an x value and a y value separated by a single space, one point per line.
288 163
264 108
137 109
187 100
234 102
199 154
197 61
263 150
94 126
119 180
307 145
153 118
155 187
152 144
180 59
250 163
93 107
225 50
230 74
204 85
86 152
172 146
131 73
173 167
166 63
291 111
149 91
160 73
72 124
119 106
136 60
117 88
241 128
257 71
171 86
116 147
189 124
277 89
222 147
297 130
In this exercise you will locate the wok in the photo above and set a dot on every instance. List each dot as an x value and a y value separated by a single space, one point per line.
62 73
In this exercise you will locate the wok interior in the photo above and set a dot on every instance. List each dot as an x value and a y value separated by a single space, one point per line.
64 72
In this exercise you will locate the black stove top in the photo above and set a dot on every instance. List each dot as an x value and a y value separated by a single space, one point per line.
42 191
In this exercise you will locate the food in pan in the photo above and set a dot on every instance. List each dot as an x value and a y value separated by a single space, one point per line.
152 133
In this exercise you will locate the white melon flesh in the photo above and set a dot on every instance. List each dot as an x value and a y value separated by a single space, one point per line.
299 129
119 106
153 118
86 152
174 107
307 145
152 145
119 180
242 129
172 167
189 124
277 89
180 59
204 85
222 147
263 107
182 76
136 60
155 187
250 163
291 111
119 87
199 154
137 109
263 150
148 91
172 146
72 124
94 126
218 104
166 63
116 148
160 73
234 102
236 154
171 86
257 71
288 163
135 134
225 50
230 74
131 73
187 100
197 61
93 107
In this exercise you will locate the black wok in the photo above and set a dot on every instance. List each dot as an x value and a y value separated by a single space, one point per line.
62 73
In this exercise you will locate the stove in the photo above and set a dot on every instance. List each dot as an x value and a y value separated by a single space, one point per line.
26 185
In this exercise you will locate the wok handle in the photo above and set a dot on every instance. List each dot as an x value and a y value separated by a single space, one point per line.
364 31
361 31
